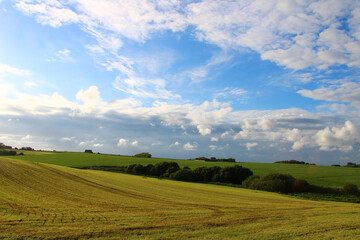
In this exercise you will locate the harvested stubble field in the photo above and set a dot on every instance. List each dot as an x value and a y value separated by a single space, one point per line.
46 201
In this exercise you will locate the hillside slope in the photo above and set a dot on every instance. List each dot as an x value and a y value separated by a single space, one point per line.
317 175
46 201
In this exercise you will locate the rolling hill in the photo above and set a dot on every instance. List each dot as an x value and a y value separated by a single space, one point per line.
41 201
318 175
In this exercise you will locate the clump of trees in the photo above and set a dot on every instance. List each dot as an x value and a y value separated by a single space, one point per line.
3 146
351 164
294 162
27 149
214 159
7 150
285 183
143 155
7 153
233 175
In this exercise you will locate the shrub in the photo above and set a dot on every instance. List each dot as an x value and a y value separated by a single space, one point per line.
300 185
130 168
184 175
206 174
165 167
7 153
235 174
148 169
143 155
274 182
138 169
350 189
247 183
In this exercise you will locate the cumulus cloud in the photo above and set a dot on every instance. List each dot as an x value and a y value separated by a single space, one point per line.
122 142
204 130
190 147
90 96
125 142
338 138
175 144
291 33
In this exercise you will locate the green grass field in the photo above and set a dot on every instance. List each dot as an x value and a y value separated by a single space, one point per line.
317 175
41 201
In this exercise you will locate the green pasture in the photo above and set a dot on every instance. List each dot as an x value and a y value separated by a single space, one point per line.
318 175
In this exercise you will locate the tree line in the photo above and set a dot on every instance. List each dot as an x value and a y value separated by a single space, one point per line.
232 174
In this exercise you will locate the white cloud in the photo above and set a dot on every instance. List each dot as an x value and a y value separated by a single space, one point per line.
343 92
201 73
249 145
294 34
204 130
98 145
190 147
122 142
7 69
175 144
51 13
125 142
299 128
144 88
213 147
67 138
338 138
230 92
134 143
62 56
90 97
227 133
27 137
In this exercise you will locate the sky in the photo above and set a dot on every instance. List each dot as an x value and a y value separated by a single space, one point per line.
258 81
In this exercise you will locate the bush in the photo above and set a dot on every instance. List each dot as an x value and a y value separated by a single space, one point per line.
350 189
165 168
247 183
206 174
138 169
235 174
274 182
148 169
300 185
7 153
130 168
184 175
143 155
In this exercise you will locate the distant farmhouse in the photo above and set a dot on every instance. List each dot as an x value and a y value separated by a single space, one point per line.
88 151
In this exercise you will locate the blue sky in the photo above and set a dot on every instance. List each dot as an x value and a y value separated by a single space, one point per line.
259 81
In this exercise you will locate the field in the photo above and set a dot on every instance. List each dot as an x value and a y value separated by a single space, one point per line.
55 202
317 175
